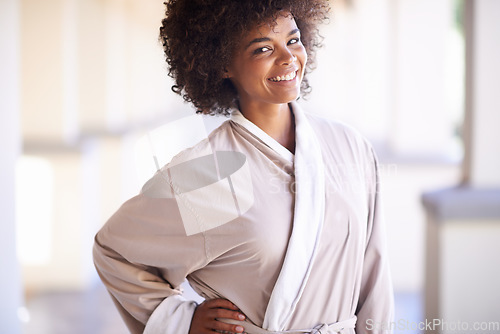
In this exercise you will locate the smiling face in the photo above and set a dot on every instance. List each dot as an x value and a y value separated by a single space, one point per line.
268 66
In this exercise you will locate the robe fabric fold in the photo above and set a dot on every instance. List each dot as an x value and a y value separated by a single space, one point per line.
294 241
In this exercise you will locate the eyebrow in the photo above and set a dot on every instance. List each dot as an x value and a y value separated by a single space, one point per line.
266 39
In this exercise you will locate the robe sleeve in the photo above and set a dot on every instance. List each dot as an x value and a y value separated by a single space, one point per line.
375 309
142 255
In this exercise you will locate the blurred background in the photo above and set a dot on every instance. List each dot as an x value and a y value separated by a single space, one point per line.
82 81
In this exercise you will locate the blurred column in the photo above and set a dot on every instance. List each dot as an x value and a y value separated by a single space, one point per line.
92 71
420 116
482 159
49 105
106 92
10 281
463 227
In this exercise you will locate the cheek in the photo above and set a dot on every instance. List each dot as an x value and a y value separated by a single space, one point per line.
259 68
255 72
303 57
303 61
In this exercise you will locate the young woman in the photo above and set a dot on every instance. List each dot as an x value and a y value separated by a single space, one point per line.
275 218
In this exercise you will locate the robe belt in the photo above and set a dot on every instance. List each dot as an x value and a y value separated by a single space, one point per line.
332 328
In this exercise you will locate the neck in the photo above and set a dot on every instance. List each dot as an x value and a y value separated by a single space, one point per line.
276 120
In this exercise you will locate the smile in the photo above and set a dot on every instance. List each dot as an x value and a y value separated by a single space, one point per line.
288 77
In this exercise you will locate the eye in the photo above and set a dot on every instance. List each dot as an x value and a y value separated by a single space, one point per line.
262 50
294 40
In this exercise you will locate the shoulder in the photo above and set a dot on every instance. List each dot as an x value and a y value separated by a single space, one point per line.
196 156
210 144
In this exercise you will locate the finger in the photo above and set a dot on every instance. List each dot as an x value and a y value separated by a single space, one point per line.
219 325
227 314
220 303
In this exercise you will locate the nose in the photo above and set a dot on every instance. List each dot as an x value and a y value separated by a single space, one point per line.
286 57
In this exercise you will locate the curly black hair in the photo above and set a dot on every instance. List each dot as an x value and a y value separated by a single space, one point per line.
199 36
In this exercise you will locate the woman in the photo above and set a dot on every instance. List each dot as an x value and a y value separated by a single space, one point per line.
274 219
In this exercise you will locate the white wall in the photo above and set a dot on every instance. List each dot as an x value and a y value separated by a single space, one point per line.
469 274
10 281
402 187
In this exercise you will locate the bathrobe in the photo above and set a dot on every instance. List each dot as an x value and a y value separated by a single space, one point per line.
293 240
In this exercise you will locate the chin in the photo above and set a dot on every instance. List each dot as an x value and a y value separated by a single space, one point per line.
291 98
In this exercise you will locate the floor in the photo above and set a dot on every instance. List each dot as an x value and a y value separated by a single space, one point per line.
409 313
90 312
93 312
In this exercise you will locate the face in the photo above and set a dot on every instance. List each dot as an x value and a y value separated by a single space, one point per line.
268 65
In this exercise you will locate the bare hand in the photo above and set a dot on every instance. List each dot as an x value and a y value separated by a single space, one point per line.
207 314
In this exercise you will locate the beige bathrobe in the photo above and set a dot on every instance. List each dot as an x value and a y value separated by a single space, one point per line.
293 240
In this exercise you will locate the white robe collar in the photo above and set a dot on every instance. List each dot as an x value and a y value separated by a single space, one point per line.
237 117
308 216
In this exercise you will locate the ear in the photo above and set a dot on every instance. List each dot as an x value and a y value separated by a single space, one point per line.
227 73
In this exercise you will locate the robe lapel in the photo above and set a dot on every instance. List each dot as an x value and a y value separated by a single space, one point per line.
307 225
308 218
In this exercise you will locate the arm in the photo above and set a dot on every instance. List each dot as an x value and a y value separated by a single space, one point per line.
141 296
376 301
142 255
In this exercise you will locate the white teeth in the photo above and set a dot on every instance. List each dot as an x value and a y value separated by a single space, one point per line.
288 77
